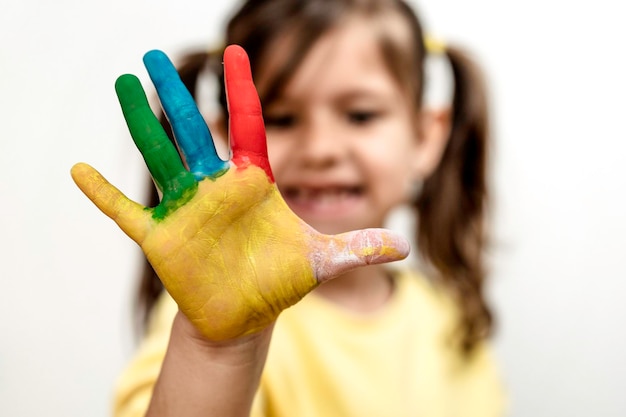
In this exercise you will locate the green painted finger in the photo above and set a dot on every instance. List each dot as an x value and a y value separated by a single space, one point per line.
175 182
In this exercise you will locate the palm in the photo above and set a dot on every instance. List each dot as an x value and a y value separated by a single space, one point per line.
222 240
236 242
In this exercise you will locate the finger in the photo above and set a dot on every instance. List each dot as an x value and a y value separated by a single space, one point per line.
247 131
190 130
175 182
350 250
130 216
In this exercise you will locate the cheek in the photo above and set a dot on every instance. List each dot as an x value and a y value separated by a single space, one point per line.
278 154
393 178
395 152
392 168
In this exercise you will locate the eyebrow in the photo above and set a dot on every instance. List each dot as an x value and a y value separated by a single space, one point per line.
365 94
345 95
350 95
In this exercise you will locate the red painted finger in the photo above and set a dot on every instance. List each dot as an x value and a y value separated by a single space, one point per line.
247 131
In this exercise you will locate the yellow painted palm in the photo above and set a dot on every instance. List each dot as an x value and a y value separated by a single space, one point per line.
222 240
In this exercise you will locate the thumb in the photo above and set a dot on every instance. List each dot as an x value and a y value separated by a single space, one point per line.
129 216
336 254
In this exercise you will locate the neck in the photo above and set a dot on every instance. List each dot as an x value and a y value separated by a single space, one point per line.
363 290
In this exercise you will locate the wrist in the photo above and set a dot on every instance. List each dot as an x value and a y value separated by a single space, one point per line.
237 351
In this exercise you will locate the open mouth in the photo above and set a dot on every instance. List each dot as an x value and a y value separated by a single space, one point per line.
322 198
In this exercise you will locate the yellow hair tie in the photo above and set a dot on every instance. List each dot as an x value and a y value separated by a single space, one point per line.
434 45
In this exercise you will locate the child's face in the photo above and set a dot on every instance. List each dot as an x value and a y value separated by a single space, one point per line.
342 138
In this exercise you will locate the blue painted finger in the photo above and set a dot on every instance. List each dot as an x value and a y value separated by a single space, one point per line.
190 130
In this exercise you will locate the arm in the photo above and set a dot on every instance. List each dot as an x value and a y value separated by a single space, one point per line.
222 240
203 378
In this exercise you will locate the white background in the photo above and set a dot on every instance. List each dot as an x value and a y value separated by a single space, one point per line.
67 274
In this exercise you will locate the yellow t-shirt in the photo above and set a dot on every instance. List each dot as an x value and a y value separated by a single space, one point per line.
328 361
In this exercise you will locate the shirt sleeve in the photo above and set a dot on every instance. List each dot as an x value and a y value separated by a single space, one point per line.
479 388
258 406
134 387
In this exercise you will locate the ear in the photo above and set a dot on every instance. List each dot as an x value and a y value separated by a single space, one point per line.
434 131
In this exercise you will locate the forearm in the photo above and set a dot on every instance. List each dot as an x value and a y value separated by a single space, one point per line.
202 378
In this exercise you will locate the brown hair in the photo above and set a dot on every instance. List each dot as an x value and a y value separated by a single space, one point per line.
451 207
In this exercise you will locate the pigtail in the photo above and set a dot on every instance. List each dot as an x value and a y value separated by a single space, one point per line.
452 205
191 66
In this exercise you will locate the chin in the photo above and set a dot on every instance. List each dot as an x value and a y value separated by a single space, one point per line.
334 227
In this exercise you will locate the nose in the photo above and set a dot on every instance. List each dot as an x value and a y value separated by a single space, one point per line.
321 144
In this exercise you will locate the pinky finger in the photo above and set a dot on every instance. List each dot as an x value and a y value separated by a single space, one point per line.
129 216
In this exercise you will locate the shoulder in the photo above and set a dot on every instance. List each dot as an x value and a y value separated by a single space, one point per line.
317 345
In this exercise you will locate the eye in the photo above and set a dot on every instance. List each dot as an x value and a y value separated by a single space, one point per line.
279 121
361 117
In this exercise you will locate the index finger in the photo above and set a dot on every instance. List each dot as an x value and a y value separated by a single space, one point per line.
246 127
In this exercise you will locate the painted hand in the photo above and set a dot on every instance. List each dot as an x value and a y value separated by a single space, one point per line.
222 240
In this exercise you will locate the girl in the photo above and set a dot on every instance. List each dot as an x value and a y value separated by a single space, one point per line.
341 83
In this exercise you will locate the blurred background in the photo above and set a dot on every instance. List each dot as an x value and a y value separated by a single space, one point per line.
558 282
